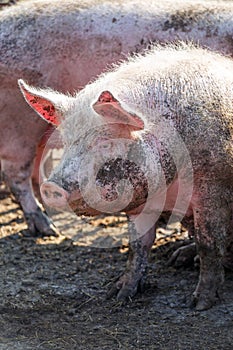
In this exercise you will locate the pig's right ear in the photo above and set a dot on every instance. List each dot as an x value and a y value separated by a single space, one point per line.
50 105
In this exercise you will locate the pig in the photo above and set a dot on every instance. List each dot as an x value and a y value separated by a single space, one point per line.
66 44
153 134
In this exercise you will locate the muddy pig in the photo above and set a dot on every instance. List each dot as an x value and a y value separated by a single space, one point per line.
153 134
65 44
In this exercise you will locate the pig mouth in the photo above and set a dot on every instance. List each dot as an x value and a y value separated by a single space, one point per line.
80 207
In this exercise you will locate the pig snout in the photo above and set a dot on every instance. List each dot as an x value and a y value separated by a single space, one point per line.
53 195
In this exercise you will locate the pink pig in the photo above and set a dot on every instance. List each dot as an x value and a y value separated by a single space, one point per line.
153 134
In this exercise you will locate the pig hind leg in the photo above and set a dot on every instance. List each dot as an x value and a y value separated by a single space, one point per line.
228 258
185 255
17 173
212 216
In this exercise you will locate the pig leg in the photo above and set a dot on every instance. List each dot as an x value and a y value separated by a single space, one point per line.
228 258
183 256
133 278
187 254
212 223
17 175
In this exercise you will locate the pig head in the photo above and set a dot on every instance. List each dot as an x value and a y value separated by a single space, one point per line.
106 167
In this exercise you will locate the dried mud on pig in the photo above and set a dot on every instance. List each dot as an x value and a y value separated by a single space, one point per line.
53 294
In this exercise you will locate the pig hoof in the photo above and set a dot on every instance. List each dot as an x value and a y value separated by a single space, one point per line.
125 289
204 302
121 293
202 305
40 225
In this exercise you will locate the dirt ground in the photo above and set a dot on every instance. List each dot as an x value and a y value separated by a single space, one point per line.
53 291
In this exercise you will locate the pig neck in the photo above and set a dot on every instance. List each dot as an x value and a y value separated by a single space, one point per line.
165 158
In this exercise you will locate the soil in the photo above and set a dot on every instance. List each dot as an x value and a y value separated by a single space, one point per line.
53 291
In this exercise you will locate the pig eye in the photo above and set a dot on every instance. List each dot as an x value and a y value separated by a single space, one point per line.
106 145
103 142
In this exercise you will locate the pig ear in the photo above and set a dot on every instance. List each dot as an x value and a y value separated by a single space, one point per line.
110 108
49 104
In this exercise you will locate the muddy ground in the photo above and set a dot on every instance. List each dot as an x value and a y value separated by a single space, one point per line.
53 291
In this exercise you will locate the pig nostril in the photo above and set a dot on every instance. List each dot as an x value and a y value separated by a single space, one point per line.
57 194
46 193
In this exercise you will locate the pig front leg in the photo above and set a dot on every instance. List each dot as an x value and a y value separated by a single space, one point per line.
133 278
212 224
17 175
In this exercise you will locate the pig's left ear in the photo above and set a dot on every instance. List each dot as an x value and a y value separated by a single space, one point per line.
110 108
50 105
